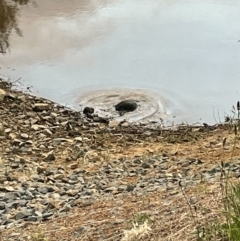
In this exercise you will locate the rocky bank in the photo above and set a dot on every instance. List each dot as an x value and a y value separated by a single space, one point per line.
54 159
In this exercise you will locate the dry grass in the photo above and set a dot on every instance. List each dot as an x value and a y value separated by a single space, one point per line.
109 219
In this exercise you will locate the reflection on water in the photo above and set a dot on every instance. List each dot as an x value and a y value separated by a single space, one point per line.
8 21
185 51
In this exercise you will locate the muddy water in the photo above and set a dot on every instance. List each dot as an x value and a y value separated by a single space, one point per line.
179 59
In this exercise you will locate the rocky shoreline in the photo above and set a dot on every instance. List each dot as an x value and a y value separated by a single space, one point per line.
53 159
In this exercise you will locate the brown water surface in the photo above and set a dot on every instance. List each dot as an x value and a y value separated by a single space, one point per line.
180 57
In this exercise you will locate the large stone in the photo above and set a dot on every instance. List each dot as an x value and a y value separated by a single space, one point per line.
126 105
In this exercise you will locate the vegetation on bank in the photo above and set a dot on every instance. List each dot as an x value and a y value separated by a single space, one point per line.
227 228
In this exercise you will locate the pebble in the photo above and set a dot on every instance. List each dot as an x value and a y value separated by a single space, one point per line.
41 107
24 135
50 157
2 94
113 123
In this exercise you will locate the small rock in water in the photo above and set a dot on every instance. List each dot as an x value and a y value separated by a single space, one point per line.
126 105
